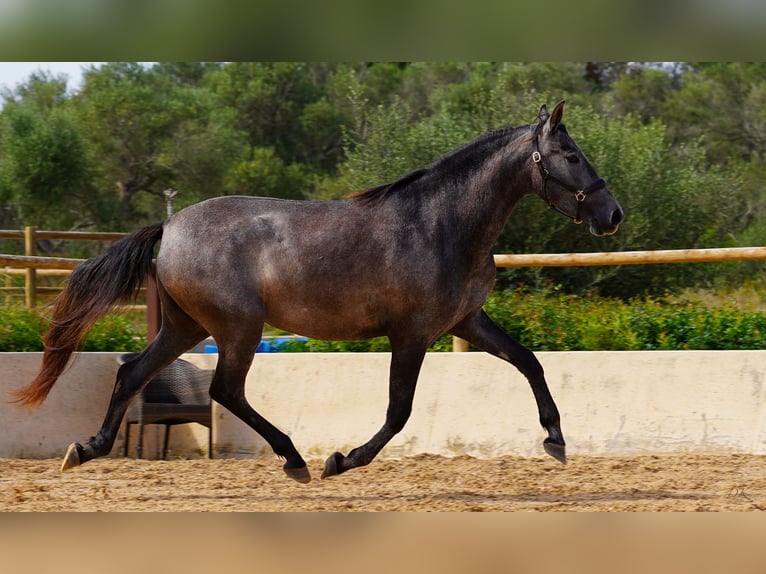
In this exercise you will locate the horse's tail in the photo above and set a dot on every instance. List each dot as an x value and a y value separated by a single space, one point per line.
95 287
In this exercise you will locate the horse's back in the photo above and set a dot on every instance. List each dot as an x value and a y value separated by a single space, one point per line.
292 262
235 210
232 236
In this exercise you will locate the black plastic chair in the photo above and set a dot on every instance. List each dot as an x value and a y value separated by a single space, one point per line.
177 395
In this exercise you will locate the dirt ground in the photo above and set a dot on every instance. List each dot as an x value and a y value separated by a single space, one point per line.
423 483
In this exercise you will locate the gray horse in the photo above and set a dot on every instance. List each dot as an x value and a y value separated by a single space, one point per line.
409 260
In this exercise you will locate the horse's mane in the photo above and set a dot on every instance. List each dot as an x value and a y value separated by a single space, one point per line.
458 156
379 191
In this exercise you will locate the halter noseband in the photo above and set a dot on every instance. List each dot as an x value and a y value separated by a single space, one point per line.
580 194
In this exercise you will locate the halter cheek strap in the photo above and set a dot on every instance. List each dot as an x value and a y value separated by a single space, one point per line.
580 194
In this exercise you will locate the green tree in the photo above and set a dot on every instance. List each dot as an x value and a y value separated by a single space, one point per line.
265 174
44 167
284 107
724 103
42 90
681 145
151 129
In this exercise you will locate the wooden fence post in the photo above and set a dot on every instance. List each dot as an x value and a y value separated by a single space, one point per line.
153 309
8 286
30 287
459 345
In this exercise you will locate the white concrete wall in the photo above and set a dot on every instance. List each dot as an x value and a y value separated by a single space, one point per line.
466 403
74 411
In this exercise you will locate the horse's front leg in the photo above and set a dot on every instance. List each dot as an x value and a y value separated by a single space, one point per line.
480 330
406 360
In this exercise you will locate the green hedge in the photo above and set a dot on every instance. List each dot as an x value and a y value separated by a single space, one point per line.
571 323
21 330
560 322
542 322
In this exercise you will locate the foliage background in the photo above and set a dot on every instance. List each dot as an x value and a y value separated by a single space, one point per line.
680 143
546 321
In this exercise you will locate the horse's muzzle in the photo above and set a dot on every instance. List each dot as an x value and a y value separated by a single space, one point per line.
608 228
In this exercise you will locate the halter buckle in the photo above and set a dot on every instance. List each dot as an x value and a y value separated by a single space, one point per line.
580 195
536 157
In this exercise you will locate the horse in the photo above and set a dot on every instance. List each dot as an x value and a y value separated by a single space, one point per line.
410 260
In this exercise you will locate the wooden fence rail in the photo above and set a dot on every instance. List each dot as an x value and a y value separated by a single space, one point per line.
35 262
507 260
31 263
631 257
70 235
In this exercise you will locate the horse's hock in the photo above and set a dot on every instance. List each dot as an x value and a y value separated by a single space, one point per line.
612 403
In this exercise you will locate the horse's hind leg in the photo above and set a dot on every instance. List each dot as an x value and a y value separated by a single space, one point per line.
178 334
480 330
228 389
406 361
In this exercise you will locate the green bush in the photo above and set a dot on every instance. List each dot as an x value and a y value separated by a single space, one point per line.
691 326
563 322
376 345
115 333
554 322
21 330
543 322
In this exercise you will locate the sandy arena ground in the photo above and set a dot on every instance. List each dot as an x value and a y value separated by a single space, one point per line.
721 482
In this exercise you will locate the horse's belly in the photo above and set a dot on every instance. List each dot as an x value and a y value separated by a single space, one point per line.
324 324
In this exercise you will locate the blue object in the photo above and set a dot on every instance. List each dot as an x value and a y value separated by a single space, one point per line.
275 344
271 345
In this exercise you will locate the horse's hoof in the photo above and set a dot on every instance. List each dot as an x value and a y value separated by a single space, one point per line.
300 474
71 458
556 450
332 465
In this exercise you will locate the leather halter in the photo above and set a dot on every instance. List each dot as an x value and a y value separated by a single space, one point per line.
580 194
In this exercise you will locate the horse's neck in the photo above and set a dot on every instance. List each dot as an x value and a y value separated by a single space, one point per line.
484 205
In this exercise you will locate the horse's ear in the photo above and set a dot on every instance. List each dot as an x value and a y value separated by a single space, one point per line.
543 114
549 122
558 112
542 117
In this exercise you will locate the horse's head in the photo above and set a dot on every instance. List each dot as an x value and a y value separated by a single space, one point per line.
568 181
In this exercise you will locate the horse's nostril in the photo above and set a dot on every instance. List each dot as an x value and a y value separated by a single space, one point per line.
617 216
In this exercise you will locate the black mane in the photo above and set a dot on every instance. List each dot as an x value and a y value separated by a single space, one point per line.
462 158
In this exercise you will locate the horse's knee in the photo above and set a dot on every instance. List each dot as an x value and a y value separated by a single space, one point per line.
396 418
225 395
126 384
526 362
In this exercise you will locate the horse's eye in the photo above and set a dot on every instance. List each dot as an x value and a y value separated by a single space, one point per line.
572 158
